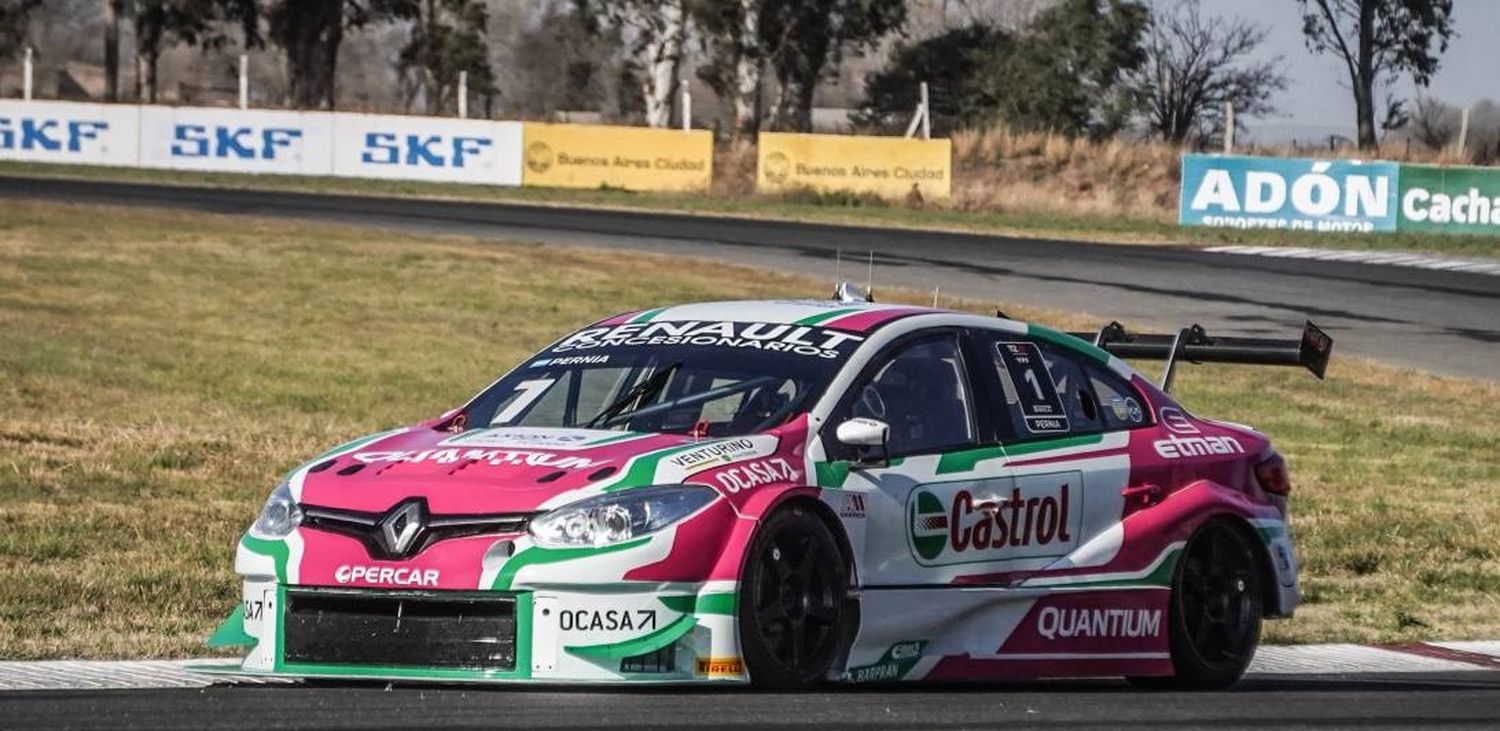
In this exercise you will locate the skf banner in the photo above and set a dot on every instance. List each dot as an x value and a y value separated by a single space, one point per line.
237 140
1228 191
427 148
1454 199
890 167
67 132
634 158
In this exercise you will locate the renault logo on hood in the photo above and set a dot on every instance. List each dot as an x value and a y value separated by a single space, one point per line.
401 527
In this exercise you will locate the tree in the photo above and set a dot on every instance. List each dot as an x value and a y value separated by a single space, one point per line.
1378 40
447 38
736 61
15 24
1193 68
802 38
310 32
949 63
1066 72
653 32
113 11
185 21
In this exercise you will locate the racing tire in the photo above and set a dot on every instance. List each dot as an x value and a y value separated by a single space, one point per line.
1215 614
792 604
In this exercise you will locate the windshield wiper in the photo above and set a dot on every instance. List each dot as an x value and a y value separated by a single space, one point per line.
639 394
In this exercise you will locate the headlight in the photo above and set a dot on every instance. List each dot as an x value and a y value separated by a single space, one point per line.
614 518
279 516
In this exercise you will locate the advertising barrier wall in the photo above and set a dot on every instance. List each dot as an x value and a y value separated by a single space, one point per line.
1228 191
1462 200
427 148
890 167
68 132
237 140
634 158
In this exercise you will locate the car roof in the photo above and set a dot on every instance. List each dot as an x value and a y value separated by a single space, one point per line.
860 317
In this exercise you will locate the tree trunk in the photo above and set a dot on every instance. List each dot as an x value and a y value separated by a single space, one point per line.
112 13
664 55
311 36
748 69
1364 82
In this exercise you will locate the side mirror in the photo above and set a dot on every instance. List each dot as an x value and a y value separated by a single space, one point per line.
867 434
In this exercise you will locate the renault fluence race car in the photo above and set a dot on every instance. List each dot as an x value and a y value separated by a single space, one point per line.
785 493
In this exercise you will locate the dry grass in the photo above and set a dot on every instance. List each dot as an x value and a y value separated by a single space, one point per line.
160 370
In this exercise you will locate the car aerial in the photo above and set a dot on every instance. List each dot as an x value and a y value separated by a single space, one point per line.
786 493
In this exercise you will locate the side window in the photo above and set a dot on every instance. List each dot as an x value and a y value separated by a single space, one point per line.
922 393
1119 404
1047 391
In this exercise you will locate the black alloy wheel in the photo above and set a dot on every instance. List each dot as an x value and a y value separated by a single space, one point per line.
792 601
1215 612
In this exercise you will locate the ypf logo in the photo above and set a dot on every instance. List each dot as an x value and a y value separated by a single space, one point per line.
777 168
539 157
929 525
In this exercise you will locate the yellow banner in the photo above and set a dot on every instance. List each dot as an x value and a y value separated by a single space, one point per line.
634 158
890 167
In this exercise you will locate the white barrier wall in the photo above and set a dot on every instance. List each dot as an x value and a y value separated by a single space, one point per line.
427 148
67 132
237 140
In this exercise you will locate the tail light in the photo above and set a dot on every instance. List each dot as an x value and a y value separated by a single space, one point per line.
1273 477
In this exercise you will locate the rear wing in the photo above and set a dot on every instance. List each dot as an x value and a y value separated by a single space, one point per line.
1195 345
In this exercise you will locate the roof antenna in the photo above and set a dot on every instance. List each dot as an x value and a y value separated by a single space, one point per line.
870 279
838 267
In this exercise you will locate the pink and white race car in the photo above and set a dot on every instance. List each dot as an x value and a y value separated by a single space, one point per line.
786 493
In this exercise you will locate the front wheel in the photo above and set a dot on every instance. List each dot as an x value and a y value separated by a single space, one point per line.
1216 610
792 601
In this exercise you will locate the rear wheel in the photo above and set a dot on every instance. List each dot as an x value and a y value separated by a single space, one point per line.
1215 612
792 600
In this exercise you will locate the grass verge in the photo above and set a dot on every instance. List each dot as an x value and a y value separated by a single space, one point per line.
161 370
802 206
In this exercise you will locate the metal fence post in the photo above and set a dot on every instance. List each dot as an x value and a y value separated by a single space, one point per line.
463 95
244 81
926 114
687 106
1463 131
1228 128
26 72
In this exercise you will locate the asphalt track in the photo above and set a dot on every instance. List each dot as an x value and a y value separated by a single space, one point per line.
1443 321
1464 700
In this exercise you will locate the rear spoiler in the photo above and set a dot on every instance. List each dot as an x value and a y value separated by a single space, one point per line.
1197 346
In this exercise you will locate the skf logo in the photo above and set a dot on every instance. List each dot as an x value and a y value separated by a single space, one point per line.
384 148
539 157
51 135
721 667
196 140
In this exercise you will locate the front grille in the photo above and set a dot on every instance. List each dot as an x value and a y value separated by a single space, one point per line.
399 629
367 527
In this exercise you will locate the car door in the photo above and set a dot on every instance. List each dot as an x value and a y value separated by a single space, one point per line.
922 388
1063 422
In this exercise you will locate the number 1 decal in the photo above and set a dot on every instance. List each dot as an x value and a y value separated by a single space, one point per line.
1041 406
527 392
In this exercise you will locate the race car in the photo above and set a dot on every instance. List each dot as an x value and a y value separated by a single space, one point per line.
787 493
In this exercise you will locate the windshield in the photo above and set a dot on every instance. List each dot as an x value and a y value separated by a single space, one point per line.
708 379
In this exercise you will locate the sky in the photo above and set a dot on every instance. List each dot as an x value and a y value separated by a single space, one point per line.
1317 101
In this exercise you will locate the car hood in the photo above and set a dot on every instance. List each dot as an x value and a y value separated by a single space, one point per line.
505 470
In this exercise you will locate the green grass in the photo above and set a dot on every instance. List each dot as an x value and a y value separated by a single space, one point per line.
800 206
159 371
